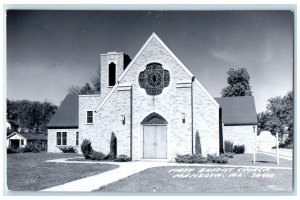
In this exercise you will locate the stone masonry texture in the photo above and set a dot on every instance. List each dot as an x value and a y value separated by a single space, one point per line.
170 104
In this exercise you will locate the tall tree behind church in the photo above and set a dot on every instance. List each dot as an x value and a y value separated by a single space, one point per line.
238 83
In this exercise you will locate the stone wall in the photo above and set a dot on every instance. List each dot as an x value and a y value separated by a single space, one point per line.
170 104
206 122
240 135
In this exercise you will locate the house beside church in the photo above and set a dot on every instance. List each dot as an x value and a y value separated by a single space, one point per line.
20 139
155 106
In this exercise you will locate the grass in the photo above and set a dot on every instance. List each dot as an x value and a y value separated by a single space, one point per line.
261 160
160 179
30 172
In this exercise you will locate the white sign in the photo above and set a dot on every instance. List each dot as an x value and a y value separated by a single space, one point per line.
265 141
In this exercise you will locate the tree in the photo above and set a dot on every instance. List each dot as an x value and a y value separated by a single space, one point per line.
11 110
86 89
197 143
48 110
32 115
279 116
113 145
239 83
74 89
96 81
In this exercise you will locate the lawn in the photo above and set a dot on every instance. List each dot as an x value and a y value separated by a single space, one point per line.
210 179
30 172
261 160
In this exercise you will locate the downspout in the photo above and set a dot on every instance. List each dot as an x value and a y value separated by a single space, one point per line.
221 131
131 122
192 113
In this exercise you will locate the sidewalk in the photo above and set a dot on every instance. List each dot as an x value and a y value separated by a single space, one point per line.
94 182
125 169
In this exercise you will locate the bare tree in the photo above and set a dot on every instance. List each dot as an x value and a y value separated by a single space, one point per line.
74 89
96 80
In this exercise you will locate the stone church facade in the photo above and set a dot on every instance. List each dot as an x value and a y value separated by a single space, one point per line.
154 106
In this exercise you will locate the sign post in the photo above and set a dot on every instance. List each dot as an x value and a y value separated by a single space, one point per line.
277 150
254 145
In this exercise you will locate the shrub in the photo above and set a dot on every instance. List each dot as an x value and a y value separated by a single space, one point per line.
229 155
198 158
228 146
32 148
220 159
217 159
13 150
113 145
89 153
239 149
109 156
290 146
68 149
86 148
187 158
210 157
197 143
96 155
122 158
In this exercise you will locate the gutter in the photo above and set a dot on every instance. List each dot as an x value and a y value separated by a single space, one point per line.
221 131
131 121
192 113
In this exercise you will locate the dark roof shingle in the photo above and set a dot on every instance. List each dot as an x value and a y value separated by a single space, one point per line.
67 114
34 136
30 136
238 110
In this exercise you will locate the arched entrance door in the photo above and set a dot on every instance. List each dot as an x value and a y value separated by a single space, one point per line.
154 137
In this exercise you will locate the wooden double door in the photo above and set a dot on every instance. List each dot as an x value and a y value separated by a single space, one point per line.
155 141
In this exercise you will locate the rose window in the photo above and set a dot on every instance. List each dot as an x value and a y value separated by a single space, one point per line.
154 79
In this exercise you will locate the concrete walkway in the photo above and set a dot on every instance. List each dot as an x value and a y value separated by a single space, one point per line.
125 169
94 182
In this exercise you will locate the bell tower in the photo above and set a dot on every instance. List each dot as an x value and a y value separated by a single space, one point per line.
112 65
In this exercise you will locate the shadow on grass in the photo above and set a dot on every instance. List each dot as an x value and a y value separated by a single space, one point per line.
263 161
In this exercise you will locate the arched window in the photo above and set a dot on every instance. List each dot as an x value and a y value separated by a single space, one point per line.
111 74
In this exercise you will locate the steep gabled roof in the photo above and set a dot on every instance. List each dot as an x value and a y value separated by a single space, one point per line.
238 110
67 114
153 35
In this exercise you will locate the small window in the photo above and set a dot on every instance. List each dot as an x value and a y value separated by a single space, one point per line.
22 142
58 138
111 74
89 119
61 138
64 136
77 138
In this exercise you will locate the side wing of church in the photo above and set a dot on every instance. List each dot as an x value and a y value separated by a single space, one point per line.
155 106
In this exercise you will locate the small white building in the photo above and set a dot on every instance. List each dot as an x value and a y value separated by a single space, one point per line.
16 140
155 106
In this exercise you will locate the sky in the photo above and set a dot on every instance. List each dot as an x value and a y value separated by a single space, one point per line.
48 51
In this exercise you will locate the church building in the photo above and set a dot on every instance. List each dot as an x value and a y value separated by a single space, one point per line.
155 106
